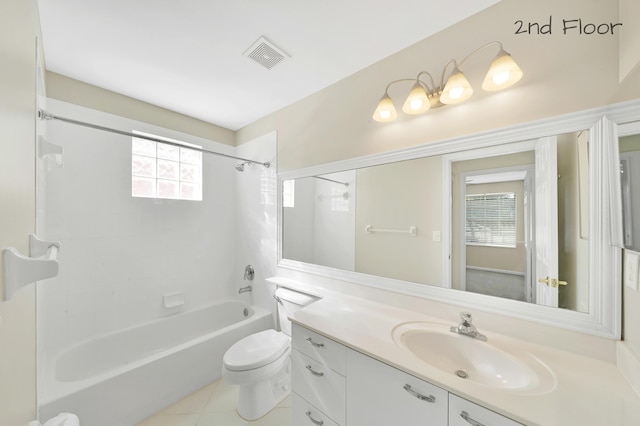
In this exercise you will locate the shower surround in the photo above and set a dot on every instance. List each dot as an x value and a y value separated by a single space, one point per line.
120 255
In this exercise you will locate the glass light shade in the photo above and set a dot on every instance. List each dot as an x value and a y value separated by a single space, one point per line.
417 102
457 89
504 72
385 112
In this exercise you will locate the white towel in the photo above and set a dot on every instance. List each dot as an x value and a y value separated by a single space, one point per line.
63 419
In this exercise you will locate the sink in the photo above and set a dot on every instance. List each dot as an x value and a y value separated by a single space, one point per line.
495 363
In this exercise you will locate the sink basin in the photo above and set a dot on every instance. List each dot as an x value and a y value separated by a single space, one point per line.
493 363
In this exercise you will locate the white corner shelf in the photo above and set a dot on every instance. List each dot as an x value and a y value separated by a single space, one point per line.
21 270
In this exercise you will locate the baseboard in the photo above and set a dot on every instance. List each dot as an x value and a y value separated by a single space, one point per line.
628 363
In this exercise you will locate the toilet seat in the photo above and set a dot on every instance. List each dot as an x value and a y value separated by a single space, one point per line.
256 350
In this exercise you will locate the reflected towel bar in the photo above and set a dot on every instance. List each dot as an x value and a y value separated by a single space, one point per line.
413 230
344 196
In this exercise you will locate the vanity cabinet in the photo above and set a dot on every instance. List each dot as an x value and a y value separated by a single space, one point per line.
336 386
304 413
318 382
465 413
380 395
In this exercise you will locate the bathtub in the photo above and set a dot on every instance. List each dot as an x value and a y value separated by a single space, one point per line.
123 377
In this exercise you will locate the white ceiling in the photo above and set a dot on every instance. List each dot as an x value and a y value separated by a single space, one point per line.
187 55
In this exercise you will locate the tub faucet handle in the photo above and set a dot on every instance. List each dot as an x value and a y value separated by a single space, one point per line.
249 273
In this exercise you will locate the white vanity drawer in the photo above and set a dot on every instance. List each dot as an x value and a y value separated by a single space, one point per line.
319 385
465 413
380 395
305 414
320 348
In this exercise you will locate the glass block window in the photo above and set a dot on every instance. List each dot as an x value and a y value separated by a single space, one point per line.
288 193
165 171
491 219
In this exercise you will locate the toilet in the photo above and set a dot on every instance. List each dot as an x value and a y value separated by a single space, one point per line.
260 364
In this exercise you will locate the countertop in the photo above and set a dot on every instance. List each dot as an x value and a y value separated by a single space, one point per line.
586 391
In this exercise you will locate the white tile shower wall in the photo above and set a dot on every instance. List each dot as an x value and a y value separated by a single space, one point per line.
335 224
257 219
120 254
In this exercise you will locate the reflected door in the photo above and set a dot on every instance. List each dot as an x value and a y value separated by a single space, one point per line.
546 207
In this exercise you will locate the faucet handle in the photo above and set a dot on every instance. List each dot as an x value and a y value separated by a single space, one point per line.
466 318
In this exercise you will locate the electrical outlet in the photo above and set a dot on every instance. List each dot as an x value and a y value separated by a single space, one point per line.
631 264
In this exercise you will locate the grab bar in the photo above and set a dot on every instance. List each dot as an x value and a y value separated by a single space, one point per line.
413 230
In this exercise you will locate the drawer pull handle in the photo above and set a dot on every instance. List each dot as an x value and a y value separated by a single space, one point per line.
421 397
314 344
469 420
314 421
315 373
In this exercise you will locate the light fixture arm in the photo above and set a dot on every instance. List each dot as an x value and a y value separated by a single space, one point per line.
492 43
386 90
424 84
444 71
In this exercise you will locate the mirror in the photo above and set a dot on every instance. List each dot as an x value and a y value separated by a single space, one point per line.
420 221
630 186
360 220
387 221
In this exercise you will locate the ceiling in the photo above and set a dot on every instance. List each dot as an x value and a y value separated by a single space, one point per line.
187 55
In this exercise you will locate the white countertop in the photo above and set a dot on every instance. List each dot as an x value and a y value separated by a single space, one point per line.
586 391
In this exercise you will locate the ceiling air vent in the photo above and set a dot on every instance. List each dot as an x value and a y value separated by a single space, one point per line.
265 53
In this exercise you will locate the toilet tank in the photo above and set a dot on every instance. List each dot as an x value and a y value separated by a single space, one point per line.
290 301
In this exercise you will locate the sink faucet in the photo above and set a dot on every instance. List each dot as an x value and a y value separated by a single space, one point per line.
466 328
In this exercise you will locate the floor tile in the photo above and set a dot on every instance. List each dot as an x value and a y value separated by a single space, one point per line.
215 405
194 403
276 417
285 402
174 420
220 418
224 397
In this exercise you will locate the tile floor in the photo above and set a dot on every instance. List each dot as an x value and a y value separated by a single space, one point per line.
215 405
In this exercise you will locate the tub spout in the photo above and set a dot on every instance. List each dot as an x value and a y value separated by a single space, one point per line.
246 289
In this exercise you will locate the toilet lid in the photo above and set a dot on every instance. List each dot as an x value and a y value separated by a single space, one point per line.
256 350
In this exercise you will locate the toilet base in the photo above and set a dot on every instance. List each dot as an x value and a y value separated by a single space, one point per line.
254 401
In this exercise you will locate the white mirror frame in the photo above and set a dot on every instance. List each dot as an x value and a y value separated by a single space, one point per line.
605 226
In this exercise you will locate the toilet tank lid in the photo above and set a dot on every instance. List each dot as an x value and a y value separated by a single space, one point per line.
295 297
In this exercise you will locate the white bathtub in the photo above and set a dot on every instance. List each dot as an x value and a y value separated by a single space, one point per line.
123 377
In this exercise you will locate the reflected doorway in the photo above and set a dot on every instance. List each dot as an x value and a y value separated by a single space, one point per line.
498 232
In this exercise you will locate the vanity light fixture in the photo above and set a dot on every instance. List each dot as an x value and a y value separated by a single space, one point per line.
424 95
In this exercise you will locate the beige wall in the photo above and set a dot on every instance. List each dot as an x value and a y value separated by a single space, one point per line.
563 73
573 247
19 27
83 94
397 196
629 38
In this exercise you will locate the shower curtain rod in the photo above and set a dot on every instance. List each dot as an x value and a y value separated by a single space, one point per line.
44 115
331 180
